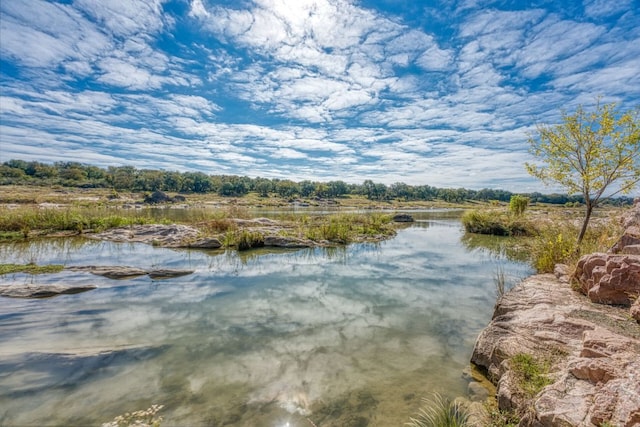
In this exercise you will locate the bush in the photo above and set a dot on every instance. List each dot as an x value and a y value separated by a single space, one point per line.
518 204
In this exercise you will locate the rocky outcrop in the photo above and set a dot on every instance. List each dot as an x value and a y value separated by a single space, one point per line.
42 291
609 278
287 242
123 272
592 352
170 236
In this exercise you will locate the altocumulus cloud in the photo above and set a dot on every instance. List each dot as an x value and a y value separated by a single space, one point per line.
443 94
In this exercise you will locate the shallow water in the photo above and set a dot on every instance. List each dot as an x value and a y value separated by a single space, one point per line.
338 337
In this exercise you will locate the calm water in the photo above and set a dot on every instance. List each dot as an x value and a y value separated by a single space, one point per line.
338 337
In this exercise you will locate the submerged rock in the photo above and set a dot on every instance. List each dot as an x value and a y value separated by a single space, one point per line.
42 291
593 353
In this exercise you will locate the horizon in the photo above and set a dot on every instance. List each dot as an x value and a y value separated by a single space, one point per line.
436 93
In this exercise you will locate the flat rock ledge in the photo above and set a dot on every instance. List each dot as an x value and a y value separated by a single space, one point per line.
42 291
184 236
593 351
124 272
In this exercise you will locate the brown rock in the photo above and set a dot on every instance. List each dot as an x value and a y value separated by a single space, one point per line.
206 243
609 279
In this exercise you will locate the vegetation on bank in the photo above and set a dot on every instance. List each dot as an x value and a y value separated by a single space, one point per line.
548 237
440 412
30 268
340 228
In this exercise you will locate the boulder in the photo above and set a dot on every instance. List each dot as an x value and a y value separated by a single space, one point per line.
630 237
609 279
158 197
593 352
403 218
42 291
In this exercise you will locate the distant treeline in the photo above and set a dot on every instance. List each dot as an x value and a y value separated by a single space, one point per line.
128 178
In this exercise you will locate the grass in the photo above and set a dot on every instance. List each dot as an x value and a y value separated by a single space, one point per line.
30 268
548 237
497 223
532 374
440 412
346 228
29 220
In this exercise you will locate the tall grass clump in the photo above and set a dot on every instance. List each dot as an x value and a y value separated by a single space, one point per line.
345 228
245 240
440 412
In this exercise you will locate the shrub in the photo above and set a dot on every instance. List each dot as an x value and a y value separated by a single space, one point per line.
248 240
518 204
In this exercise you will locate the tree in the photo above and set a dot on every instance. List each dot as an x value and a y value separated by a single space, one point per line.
596 154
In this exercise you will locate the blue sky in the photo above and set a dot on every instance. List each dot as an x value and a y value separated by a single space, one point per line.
443 93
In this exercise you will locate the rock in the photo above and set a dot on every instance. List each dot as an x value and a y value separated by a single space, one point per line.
609 279
630 237
42 291
163 273
119 272
594 354
158 197
561 271
112 272
286 242
206 243
172 235
635 310
403 218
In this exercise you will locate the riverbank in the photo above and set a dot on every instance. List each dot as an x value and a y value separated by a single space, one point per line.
564 349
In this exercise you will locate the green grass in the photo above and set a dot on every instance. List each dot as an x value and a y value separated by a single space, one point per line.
532 374
496 223
346 228
28 220
30 268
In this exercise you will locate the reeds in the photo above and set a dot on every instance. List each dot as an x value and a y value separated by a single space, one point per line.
440 412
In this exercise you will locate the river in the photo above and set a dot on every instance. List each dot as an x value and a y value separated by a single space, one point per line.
332 337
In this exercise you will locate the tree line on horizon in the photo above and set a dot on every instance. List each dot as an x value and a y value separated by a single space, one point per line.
129 178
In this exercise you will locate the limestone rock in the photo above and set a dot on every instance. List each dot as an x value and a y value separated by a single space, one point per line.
594 362
286 242
42 291
172 235
112 272
609 279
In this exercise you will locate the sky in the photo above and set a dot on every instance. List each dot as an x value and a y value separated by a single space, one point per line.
442 93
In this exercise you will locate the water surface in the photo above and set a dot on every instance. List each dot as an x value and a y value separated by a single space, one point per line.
339 337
